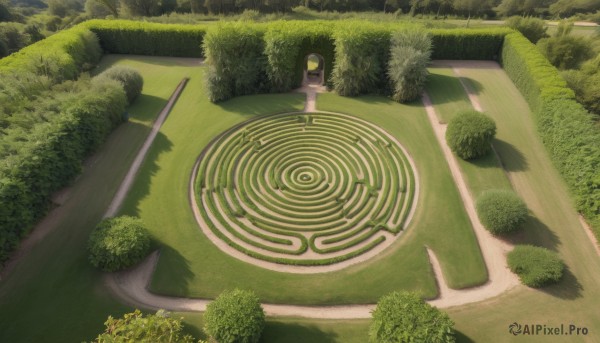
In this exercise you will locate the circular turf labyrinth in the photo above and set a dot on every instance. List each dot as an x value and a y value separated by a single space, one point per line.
305 189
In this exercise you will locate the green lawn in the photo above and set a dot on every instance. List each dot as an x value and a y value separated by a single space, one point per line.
54 294
190 265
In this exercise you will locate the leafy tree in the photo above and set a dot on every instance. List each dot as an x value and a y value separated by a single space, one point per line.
118 243
536 266
405 317
63 8
13 37
532 28
152 328
101 8
523 7
235 317
586 84
5 11
470 134
501 211
141 8
566 51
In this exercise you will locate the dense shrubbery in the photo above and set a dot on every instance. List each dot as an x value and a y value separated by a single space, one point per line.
536 266
130 78
361 57
142 38
405 317
42 148
409 56
532 28
151 328
470 134
118 243
586 84
501 211
235 317
566 128
467 44
235 59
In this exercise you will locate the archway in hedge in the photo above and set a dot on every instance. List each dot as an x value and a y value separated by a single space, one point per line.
314 69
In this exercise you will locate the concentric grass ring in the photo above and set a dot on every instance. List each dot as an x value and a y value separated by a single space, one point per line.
305 189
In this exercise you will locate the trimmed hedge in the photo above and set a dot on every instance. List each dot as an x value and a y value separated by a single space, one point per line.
143 38
60 57
467 44
361 56
118 243
410 53
37 161
235 317
536 266
130 78
566 128
501 211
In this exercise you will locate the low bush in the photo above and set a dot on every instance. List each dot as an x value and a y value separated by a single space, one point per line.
118 243
405 317
130 78
501 211
535 266
235 317
410 54
470 134
532 28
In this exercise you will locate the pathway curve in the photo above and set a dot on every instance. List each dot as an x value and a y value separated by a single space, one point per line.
132 285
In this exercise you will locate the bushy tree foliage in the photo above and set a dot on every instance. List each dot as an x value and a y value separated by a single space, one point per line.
235 317
130 78
151 328
470 134
410 54
532 28
586 84
118 243
564 50
535 266
100 8
501 211
405 317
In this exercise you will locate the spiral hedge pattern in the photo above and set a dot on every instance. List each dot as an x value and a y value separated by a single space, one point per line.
305 189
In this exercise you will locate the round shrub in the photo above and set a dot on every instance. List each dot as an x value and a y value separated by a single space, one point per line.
536 266
470 134
405 317
130 78
501 211
118 243
235 317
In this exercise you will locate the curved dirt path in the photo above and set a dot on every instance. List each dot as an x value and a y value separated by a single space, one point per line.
132 285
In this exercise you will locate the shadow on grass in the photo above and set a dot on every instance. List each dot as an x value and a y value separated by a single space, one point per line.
568 288
176 276
485 162
512 159
141 186
473 85
534 233
462 338
280 332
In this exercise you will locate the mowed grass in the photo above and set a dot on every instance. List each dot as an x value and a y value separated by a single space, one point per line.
54 294
553 224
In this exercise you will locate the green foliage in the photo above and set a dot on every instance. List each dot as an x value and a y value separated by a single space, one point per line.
566 128
467 44
566 52
282 45
98 9
470 134
152 328
532 28
142 38
405 317
235 317
60 57
361 56
586 84
235 59
42 147
501 211
130 78
410 54
118 243
536 266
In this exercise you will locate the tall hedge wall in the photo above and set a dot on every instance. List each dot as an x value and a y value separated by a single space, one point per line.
467 44
316 39
566 128
142 38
